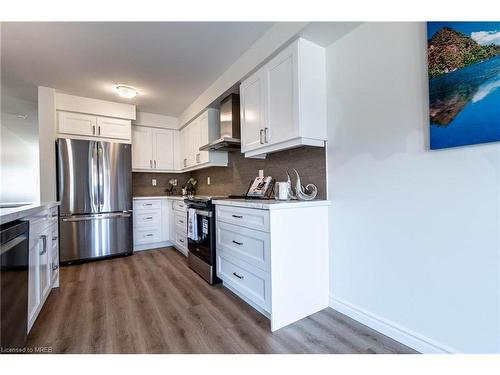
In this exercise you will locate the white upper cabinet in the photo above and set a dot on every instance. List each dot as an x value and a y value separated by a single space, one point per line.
87 126
77 123
252 112
283 104
202 139
199 132
152 149
116 128
163 149
281 90
142 147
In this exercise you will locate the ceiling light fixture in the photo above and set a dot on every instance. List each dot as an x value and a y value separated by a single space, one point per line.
125 91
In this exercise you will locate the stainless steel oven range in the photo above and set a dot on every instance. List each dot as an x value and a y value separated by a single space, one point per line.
201 237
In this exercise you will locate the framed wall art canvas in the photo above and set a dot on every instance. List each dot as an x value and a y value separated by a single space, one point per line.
464 83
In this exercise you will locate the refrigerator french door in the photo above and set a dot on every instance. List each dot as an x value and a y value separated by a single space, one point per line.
95 190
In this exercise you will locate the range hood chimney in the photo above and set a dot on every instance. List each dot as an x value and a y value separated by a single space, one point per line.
229 126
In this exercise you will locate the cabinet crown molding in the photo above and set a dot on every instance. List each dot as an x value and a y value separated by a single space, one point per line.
80 104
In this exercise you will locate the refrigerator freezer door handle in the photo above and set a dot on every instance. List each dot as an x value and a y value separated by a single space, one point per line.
100 153
93 176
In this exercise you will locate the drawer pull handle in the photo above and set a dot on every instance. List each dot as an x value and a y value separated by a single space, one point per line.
181 241
238 243
149 218
55 266
238 276
181 221
149 235
238 216
55 238
44 242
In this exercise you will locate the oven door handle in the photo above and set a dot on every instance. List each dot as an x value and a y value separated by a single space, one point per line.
203 213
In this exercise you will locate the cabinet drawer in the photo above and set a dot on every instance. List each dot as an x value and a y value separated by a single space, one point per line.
246 217
249 245
179 206
144 218
150 235
55 236
180 220
249 282
181 239
145 204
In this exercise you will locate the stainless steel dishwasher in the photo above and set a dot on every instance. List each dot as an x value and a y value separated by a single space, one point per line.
14 250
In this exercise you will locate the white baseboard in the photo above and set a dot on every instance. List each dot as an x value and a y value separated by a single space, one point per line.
403 335
151 246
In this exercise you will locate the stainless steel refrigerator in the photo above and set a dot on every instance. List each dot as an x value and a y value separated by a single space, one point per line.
95 190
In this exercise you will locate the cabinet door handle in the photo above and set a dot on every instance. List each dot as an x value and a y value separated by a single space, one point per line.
260 137
155 163
265 135
55 266
238 243
237 216
93 129
150 163
44 242
98 130
238 276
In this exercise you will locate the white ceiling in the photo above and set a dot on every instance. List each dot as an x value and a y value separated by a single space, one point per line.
171 63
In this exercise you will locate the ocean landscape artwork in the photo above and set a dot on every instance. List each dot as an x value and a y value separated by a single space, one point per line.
464 83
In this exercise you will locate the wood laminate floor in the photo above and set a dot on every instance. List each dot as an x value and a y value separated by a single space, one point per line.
152 302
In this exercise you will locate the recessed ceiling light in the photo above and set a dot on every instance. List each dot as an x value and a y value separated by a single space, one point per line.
125 91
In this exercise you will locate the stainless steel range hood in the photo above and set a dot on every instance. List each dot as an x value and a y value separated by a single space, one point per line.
229 126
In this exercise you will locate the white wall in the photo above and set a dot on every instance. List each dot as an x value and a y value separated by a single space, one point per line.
414 233
18 151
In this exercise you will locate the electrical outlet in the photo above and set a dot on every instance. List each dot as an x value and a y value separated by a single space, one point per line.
261 173
153 182
208 180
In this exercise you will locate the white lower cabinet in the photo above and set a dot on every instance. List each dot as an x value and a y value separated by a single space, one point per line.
251 283
43 273
275 259
179 226
160 222
151 223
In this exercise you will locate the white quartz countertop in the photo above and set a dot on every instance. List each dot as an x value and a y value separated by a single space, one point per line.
14 213
270 204
173 197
